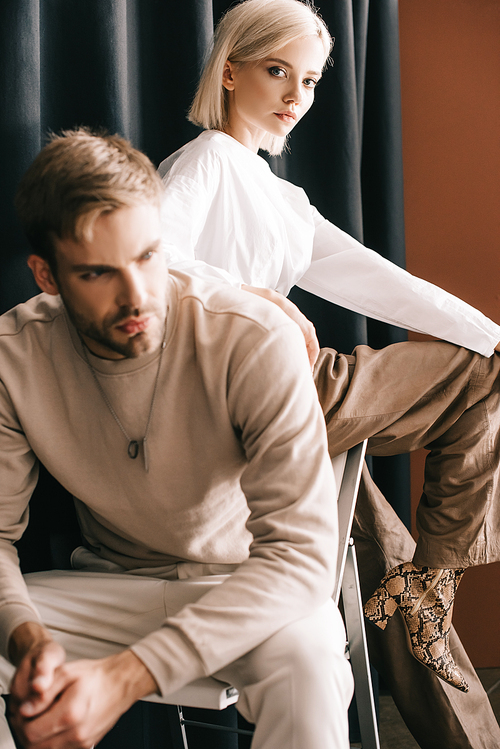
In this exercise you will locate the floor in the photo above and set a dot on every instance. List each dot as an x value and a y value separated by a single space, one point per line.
395 735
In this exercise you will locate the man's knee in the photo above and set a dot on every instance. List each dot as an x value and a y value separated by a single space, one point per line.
311 648
296 678
316 639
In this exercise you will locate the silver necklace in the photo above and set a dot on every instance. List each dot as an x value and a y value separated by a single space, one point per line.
133 445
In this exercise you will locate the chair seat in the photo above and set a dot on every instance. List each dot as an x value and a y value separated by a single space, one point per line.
206 693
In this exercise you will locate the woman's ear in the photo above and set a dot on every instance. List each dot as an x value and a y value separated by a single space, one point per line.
42 274
227 76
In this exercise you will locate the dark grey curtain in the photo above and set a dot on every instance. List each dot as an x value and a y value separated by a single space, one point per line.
132 67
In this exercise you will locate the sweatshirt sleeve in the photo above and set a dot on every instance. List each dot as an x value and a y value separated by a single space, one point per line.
345 272
290 490
19 477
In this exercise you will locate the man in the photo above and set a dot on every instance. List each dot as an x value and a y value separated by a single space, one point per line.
183 418
186 425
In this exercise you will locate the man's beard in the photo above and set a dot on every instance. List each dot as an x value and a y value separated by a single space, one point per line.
101 333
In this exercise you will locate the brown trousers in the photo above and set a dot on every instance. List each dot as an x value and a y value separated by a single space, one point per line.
446 399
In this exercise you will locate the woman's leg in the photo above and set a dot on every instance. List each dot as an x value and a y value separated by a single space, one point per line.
438 715
433 395
399 397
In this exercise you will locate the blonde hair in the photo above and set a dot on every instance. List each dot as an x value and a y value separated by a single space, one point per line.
247 33
76 177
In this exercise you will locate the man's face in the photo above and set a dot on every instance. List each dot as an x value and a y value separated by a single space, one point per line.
114 285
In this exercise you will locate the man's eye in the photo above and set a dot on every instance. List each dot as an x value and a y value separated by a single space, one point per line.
91 275
277 72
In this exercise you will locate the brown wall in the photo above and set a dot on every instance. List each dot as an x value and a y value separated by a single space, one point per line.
450 74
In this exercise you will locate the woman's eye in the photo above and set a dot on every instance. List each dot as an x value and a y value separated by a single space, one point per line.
277 72
310 83
148 255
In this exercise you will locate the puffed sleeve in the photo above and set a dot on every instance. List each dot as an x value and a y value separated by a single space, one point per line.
189 192
345 272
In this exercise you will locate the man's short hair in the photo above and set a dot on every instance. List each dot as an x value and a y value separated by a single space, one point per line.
77 177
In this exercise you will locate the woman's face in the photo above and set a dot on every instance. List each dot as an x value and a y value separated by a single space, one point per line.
271 96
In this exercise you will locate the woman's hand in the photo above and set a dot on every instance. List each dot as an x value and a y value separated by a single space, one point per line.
306 326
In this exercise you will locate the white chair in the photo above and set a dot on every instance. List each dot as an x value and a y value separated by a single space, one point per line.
347 583
215 695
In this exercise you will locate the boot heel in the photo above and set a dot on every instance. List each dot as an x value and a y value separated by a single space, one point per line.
424 596
380 607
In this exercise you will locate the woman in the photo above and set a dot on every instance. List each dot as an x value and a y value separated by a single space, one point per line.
225 207
234 219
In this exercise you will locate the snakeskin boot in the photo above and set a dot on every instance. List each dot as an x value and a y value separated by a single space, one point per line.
425 598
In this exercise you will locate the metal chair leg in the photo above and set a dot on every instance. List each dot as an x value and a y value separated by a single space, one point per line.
182 724
201 724
358 652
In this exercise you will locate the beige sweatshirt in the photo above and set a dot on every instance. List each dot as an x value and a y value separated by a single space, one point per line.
239 472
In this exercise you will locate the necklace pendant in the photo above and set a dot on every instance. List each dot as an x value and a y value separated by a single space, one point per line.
133 449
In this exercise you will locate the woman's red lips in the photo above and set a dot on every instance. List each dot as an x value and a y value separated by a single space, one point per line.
134 325
287 116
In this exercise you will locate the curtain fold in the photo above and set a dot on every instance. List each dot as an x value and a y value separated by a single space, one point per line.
383 209
132 66
20 134
355 176
325 159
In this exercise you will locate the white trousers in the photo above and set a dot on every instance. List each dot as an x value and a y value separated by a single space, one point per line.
296 686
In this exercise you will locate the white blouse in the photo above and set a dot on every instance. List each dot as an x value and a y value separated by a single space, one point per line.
227 215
